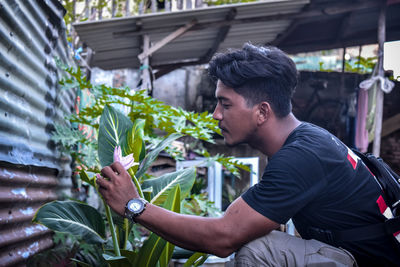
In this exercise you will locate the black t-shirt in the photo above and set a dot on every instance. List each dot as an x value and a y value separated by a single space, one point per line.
317 181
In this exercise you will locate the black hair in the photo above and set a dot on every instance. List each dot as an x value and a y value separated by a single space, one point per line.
258 74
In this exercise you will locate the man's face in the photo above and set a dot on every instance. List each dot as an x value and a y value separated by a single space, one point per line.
237 121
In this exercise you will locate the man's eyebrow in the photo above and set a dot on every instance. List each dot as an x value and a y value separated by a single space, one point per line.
222 98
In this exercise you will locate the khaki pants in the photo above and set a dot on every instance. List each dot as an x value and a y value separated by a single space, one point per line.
280 249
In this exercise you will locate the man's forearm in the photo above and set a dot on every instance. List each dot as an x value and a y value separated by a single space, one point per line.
219 236
191 232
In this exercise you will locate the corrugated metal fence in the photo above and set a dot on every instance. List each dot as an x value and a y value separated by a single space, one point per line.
32 170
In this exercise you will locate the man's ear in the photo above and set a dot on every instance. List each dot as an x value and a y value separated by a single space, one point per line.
264 112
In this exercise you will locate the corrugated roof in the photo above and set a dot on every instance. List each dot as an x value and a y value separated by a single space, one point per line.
293 25
117 42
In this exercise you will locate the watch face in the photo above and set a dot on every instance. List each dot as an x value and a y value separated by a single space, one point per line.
135 206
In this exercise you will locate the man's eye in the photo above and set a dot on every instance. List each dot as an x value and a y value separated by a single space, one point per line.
225 106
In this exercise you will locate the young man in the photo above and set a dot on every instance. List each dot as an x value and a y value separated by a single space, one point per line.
311 177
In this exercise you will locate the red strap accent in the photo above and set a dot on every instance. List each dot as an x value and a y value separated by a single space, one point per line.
397 233
353 162
381 204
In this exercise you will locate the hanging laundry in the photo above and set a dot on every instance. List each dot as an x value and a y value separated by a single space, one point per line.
362 111
365 124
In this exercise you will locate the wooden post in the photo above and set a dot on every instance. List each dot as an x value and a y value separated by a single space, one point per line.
153 6
73 11
168 5
167 39
100 10
198 3
188 4
343 59
146 82
179 4
127 9
379 93
113 8
141 7
87 9
342 78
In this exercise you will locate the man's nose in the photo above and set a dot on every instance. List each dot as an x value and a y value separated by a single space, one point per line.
217 115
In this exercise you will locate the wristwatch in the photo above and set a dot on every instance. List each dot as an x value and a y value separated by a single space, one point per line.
134 208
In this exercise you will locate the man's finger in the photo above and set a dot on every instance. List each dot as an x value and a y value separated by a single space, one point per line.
108 172
102 182
116 166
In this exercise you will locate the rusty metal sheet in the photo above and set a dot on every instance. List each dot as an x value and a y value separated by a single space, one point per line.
32 169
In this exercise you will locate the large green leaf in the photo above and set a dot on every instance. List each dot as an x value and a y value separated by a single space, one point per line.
117 261
133 142
166 255
152 156
127 258
163 184
130 255
73 217
112 130
153 248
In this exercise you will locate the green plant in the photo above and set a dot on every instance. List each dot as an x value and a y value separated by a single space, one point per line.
82 220
361 65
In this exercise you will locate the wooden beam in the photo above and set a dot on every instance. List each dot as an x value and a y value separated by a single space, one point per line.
165 69
344 25
145 66
221 35
281 37
376 146
391 125
362 38
166 40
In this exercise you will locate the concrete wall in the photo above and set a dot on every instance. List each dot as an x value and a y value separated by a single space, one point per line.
180 87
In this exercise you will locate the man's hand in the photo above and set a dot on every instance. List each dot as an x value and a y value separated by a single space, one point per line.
118 189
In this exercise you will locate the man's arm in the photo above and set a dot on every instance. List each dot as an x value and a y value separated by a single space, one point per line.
219 236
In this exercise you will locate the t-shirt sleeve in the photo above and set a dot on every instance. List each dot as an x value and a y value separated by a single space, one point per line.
291 180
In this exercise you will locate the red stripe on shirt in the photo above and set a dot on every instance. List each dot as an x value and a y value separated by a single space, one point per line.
352 161
381 204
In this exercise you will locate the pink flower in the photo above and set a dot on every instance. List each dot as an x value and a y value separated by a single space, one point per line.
127 161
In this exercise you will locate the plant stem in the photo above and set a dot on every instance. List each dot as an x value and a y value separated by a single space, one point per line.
136 182
126 228
112 229
111 224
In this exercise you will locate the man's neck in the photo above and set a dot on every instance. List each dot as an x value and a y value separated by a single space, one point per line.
272 135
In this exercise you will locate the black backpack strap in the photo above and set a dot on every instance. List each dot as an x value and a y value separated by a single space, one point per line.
333 237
